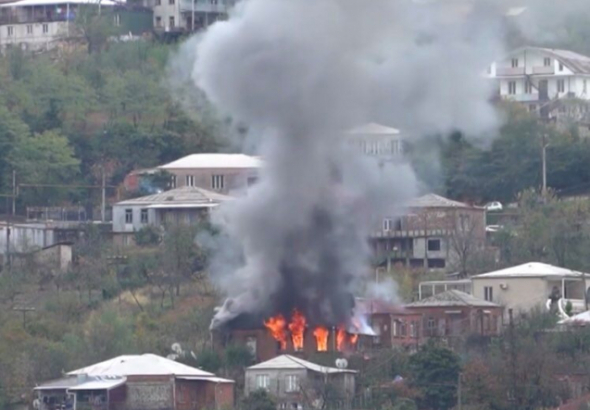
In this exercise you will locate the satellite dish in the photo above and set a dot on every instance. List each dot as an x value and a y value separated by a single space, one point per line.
341 363
176 348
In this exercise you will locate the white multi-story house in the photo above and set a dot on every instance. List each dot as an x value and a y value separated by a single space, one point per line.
376 140
188 15
40 24
542 78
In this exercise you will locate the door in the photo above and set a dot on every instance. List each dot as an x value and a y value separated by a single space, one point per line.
543 90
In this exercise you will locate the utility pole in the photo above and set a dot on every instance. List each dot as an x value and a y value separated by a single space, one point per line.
103 201
13 192
544 165
459 392
24 311
512 390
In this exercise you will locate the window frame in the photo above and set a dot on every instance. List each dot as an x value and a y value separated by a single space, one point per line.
514 62
217 182
263 377
434 240
128 216
512 87
547 62
561 86
291 383
45 28
10 31
144 216
488 293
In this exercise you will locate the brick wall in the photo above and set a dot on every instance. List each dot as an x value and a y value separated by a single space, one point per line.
150 393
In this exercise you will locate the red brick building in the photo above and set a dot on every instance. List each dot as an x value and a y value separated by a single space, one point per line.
454 314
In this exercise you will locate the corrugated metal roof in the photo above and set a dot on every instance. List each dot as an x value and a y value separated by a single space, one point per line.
451 298
191 196
140 365
287 361
374 128
531 269
59 384
100 383
205 161
28 3
435 201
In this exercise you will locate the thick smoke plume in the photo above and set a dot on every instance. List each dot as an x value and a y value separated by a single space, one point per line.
299 73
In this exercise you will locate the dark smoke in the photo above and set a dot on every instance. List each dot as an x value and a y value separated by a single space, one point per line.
299 73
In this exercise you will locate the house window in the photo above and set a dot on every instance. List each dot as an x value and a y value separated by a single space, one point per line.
292 383
514 62
434 245
388 224
414 329
488 293
547 62
190 180
512 87
560 66
402 328
560 86
173 177
262 381
396 327
430 324
144 216
29 29
217 182
528 87
171 21
128 216
45 28
10 31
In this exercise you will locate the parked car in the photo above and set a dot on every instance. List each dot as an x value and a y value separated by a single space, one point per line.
493 206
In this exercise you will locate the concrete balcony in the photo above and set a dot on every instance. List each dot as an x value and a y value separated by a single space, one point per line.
509 71
206 6
544 70
414 233
522 97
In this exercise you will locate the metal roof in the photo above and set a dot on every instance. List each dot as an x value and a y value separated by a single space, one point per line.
100 383
287 361
59 384
435 201
187 196
374 128
532 270
30 3
451 298
205 161
140 365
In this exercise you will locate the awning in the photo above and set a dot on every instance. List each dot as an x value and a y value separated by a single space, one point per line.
102 384
205 379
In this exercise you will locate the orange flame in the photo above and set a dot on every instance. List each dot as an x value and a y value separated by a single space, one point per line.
321 337
340 338
354 339
276 325
297 327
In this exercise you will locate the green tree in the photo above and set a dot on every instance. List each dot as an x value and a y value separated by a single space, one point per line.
258 400
434 371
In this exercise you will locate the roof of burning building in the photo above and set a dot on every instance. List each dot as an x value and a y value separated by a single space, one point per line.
291 362
140 365
187 196
205 161
373 128
435 201
451 298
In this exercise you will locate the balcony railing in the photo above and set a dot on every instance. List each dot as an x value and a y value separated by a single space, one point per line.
7 20
200 6
544 70
509 71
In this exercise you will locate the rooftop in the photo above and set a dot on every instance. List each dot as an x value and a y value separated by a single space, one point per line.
450 298
435 201
204 161
29 3
186 196
140 365
291 362
532 270
374 128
